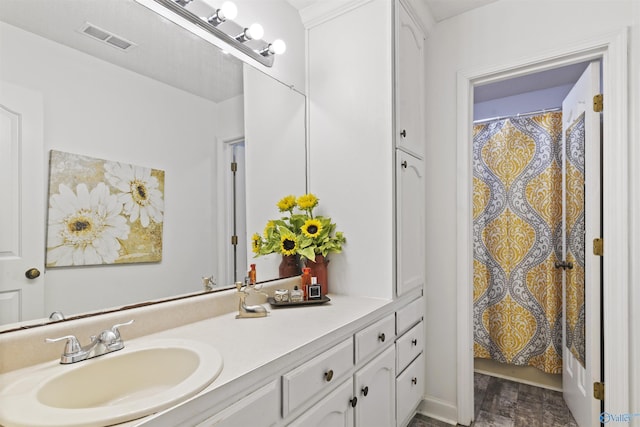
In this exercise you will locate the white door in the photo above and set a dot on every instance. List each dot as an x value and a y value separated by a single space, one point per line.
409 222
581 284
22 205
375 386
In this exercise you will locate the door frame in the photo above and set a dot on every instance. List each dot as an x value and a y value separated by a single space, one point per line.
611 49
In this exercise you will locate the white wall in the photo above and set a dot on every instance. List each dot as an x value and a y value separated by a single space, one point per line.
537 100
501 32
634 215
275 156
280 21
351 152
99 110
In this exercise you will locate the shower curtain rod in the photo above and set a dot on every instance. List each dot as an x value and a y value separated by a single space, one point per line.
531 113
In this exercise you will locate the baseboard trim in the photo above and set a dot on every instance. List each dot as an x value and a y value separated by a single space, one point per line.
439 409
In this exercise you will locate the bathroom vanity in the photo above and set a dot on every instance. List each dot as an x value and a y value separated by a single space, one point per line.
352 362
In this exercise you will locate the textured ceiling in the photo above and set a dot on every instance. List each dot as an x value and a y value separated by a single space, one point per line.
164 51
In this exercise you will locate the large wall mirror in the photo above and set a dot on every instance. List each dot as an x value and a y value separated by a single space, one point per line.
170 101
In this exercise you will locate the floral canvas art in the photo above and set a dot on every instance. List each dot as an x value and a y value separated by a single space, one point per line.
103 212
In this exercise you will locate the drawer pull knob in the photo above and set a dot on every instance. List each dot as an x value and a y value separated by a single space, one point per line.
403 133
328 375
414 381
353 402
381 337
414 341
365 391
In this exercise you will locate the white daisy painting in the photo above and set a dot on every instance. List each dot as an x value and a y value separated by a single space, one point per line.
103 212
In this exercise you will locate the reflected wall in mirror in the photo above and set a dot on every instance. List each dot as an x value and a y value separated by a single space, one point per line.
171 101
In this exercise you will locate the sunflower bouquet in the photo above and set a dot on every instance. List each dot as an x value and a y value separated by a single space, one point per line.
299 233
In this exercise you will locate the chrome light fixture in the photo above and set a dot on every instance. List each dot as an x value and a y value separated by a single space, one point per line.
219 23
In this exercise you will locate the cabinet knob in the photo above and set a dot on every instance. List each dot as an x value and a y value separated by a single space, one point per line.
381 337
353 402
414 341
32 273
414 381
328 376
403 133
365 391
404 164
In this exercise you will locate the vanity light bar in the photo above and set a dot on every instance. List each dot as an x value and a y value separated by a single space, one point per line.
175 11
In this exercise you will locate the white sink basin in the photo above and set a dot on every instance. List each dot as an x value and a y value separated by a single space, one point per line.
121 386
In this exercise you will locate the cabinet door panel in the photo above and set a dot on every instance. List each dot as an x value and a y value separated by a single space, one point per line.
410 389
409 222
333 411
409 84
259 409
375 390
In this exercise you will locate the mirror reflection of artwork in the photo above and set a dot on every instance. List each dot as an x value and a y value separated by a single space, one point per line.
103 212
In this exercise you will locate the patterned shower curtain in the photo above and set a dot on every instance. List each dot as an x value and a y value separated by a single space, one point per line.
517 226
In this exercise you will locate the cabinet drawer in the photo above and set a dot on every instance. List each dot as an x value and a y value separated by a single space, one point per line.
409 346
409 390
375 337
409 315
315 376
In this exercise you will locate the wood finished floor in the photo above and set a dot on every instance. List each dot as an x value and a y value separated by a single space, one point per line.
502 403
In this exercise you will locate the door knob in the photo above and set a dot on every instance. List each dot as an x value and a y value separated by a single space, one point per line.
564 265
32 273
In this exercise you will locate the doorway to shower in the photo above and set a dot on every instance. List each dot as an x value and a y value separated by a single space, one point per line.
536 205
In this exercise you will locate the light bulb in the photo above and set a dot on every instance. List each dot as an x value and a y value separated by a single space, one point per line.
278 47
254 32
228 10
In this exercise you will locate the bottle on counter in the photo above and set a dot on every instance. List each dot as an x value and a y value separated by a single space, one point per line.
315 291
296 295
305 282
252 274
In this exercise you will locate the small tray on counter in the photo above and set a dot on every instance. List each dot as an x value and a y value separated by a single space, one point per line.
275 303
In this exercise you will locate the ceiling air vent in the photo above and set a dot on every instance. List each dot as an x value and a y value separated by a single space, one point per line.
107 37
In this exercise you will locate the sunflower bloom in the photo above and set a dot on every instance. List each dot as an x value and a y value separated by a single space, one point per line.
287 203
307 202
267 227
288 245
312 228
256 243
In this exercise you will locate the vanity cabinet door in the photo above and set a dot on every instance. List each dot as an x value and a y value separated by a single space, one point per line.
375 390
335 410
409 390
409 222
409 101
260 409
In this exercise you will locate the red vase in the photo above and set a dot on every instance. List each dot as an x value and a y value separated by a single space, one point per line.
319 269
289 266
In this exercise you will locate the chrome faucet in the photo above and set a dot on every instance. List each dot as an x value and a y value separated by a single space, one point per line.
248 311
107 341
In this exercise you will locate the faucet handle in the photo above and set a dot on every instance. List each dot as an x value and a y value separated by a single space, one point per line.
71 347
115 329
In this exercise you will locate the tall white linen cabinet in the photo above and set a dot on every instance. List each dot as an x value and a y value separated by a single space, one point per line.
366 160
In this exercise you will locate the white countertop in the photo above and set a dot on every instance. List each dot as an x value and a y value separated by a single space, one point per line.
259 346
